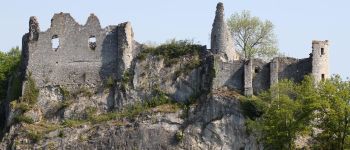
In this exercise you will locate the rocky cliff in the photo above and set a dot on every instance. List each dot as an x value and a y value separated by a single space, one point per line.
97 88
160 102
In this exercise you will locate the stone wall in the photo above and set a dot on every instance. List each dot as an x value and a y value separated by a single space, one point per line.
255 76
293 69
75 61
261 75
228 74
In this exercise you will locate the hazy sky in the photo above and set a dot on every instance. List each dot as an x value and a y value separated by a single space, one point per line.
297 22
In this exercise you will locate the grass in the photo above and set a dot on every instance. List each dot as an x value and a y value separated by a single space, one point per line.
73 122
167 108
36 132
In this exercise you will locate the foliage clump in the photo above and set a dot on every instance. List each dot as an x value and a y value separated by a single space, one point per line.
23 118
9 62
289 110
179 135
253 37
31 92
171 50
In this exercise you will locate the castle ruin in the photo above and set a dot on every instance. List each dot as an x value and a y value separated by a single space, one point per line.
71 55
254 75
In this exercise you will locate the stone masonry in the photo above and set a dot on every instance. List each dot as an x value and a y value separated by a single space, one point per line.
73 61
76 60
252 76
221 39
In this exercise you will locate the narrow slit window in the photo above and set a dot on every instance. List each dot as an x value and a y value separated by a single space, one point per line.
322 77
322 51
92 42
55 41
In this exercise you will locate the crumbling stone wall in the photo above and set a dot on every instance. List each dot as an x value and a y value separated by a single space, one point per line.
229 74
292 68
261 75
74 61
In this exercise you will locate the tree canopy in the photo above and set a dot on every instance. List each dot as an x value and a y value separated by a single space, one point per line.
253 37
292 110
9 61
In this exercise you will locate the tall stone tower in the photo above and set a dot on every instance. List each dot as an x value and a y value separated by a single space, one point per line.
221 39
320 60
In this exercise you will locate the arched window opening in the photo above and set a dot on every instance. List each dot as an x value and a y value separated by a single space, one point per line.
92 42
55 41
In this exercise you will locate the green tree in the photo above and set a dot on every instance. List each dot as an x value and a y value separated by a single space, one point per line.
9 62
253 37
320 111
287 113
333 117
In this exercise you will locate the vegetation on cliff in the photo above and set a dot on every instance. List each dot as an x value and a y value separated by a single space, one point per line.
9 62
292 110
171 50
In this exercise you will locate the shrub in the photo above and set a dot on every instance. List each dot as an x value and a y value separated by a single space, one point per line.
171 50
159 98
31 93
126 77
23 118
179 135
35 136
61 134
251 108
65 93
110 82
64 104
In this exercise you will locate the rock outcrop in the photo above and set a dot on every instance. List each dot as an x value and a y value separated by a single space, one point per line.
87 87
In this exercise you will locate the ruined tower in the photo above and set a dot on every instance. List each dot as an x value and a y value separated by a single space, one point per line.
221 39
320 60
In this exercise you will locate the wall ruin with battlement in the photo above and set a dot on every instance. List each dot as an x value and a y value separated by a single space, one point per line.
75 60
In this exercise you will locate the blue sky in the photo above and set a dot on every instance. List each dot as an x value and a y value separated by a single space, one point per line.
297 22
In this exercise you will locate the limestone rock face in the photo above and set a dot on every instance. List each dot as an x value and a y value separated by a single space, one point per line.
100 89
216 122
